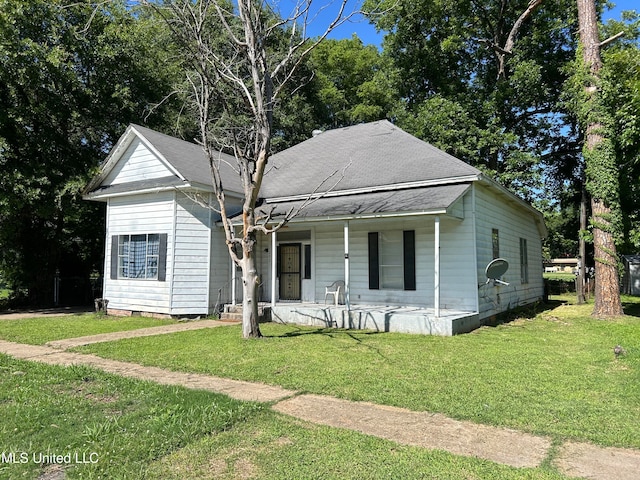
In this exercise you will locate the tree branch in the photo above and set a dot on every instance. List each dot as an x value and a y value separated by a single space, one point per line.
611 39
502 52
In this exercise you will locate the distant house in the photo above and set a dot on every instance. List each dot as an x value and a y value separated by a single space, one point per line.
407 229
631 276
561 265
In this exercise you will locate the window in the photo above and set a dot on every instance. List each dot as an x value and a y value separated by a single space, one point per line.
495 243
141 256
392 260
524 261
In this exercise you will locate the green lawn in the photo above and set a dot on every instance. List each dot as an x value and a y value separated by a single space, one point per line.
38 331
118 426
128 429
554 374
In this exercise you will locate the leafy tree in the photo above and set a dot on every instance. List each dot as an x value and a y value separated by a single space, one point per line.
561 220
600 161
66 92
352 83
620 80
462 68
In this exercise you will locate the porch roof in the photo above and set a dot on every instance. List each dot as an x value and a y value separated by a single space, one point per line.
421 200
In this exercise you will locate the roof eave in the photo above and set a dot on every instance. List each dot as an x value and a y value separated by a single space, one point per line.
101 197
376 188
361 216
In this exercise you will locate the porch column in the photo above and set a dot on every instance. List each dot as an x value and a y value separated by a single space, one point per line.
436 267
233 282
274 267
347 301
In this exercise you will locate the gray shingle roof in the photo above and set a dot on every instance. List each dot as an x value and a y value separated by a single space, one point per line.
422 199
370 154
189 159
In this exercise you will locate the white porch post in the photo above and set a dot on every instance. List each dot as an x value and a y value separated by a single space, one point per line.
274 269
436 267
346 266
233 282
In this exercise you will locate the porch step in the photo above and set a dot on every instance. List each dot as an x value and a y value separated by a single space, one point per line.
233 313
231 317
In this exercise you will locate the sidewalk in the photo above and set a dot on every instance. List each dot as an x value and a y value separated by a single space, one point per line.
422 429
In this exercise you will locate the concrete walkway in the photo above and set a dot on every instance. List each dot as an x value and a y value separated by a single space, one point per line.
422 429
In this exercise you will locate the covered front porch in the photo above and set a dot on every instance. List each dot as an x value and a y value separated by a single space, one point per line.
411 272
377 318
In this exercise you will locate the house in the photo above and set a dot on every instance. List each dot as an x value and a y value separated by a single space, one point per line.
631 276
422 241
561 265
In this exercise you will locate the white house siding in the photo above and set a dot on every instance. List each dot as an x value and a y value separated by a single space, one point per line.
329 256
192 247
137 163
458 281
220 268
457 285
512 222
137 214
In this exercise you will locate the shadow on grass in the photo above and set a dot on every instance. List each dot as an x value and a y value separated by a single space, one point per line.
326 331
631 308
527 312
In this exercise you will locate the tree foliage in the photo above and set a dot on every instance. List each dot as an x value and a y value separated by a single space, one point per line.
446 54
66 92
620 98
352 82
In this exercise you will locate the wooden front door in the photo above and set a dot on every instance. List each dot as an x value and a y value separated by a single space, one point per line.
290 271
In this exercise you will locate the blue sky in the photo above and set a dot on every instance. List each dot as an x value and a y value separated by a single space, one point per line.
368 34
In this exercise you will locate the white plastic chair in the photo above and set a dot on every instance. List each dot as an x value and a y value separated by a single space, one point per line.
334 289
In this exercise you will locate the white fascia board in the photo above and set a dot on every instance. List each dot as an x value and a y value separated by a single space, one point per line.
185 186
378 188
365 216
112 159
105 196
209 189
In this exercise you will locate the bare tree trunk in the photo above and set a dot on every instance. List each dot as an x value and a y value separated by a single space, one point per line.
240 67
250 298
607 287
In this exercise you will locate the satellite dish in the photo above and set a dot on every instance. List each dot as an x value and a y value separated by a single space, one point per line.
496 269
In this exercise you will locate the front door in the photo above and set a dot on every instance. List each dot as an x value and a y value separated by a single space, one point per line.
290 271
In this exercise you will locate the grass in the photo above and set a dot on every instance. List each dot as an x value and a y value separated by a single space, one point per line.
551 373
131 429
554 374
274 447
121 425
38 331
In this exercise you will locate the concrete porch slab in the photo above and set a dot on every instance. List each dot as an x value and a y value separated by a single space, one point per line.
378 318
